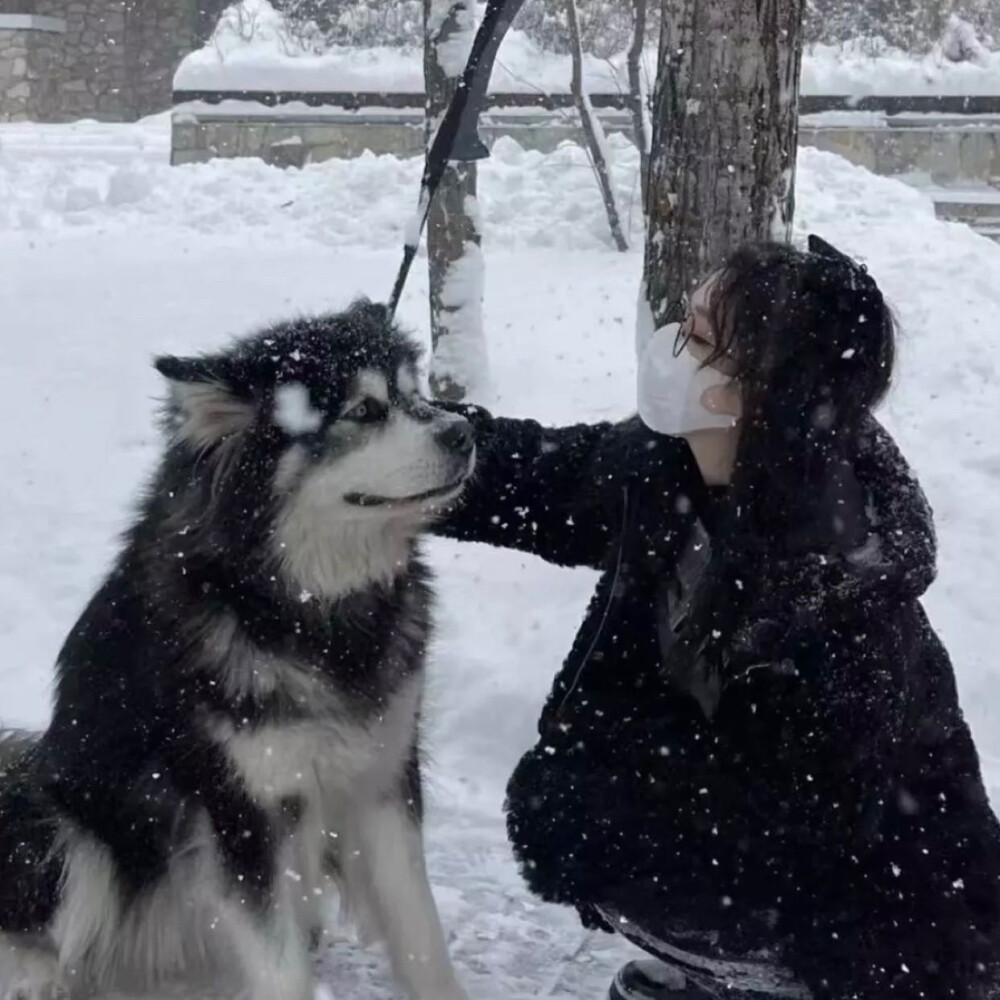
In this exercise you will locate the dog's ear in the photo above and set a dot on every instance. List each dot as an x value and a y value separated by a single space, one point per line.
206 406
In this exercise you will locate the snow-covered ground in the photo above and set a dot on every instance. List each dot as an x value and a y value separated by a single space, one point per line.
108 255
252 50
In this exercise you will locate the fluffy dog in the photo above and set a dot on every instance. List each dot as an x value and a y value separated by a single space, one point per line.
236 724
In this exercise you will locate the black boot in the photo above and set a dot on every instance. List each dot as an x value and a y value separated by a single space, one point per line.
694 974
651 979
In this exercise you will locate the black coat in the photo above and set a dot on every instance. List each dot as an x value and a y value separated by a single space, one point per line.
834 786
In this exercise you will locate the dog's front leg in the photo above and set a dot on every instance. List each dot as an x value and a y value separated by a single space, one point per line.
258 905
386 852
272 954
268 939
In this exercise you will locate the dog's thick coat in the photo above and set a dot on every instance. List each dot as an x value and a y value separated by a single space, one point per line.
235 730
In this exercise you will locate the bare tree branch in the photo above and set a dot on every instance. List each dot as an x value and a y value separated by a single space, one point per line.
593 130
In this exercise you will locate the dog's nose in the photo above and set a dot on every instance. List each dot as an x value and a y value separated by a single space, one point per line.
458 437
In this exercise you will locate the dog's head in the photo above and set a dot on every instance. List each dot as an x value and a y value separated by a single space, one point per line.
312 441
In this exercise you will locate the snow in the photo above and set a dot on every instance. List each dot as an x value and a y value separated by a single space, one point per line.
251 50
58 177
853 69
94 286
961 43
293 412
838 119
461 355
254 52
453 53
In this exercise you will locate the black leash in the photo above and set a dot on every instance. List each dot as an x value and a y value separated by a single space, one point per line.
457 137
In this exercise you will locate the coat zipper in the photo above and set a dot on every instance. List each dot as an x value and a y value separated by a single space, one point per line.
607 606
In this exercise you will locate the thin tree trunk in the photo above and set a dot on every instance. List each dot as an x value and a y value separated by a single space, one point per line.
725 131
593 130
637 99
455 262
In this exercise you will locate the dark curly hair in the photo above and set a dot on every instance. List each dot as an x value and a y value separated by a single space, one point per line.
812 342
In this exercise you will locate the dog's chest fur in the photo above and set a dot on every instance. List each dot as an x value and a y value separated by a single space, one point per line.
324 759
314 715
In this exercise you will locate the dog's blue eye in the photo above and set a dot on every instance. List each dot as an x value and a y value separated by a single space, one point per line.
368 411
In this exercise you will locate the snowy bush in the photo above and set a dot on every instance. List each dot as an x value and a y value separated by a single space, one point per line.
312 27
961 42
361 23
958 30
605 25
915 26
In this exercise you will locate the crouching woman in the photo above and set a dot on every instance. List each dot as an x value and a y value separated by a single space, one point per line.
753 762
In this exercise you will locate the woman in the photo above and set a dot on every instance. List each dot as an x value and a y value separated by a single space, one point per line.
753 762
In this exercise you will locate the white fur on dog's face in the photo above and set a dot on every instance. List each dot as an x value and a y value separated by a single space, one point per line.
376 467
353 495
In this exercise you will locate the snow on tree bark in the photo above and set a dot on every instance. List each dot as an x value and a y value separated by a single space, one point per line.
725 132
459 362
593 131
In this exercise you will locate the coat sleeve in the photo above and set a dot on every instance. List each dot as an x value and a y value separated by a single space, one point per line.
559 493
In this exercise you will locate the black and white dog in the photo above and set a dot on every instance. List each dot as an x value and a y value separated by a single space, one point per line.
235 731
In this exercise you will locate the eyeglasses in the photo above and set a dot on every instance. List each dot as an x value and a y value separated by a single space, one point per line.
723 361
684 337
685 327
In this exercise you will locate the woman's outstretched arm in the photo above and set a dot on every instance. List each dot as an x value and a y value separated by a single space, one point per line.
559 492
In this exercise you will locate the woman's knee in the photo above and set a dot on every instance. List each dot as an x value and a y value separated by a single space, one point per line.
551 827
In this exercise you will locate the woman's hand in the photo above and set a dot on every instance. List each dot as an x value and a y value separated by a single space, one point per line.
714 448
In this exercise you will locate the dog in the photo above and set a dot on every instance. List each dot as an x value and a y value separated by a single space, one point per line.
235 734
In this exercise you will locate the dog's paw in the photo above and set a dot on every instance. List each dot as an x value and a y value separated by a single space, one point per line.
450 992
30 989
37 979
30 972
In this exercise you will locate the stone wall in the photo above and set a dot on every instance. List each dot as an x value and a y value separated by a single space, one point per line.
115 61
15 91
30 48
960 150
288 141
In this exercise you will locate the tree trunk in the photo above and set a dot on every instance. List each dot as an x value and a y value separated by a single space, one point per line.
455 262
636 95
725 131
593 131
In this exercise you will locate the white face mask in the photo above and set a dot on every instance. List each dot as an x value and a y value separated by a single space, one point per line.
670 389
